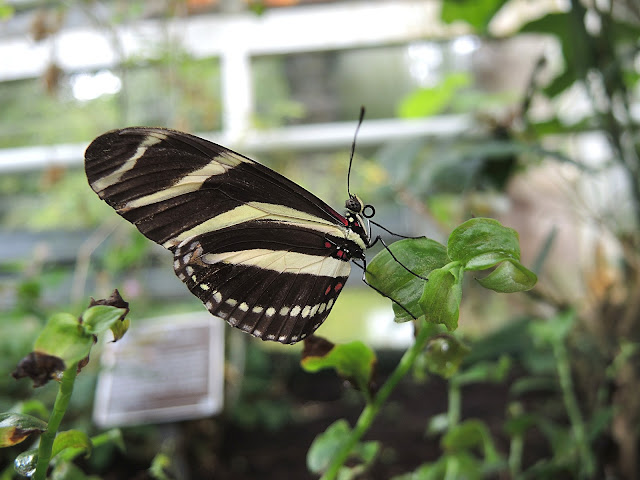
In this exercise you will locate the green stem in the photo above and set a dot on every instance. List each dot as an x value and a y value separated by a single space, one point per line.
454 412
59 409
587 466
373 407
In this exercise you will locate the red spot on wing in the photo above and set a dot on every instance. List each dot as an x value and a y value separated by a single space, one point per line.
338 286
326 292
327 244
340 253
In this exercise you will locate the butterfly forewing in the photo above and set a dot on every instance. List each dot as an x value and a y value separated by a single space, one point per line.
258 250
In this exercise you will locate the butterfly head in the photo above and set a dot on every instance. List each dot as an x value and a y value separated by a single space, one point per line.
357 215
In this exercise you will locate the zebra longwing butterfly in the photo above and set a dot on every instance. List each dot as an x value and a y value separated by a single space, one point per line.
258 250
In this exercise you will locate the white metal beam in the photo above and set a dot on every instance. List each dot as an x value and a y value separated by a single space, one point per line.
278 31
304 137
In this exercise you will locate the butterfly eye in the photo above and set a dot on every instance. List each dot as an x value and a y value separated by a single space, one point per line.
368 211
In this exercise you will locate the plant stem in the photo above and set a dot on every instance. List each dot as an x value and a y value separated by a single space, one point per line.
454 407
587 466
59 409
373 407
454 412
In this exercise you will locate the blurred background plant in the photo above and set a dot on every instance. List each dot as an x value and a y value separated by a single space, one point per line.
523 111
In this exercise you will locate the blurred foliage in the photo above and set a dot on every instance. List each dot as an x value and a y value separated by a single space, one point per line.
441 180
174 90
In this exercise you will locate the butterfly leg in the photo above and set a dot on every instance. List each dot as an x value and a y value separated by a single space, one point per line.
379 239
364 271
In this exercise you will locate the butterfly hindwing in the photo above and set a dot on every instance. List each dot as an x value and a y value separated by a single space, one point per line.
274 294
257 249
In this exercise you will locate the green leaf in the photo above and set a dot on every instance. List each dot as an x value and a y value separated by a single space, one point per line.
440 301
477 13
421 256
481 372
509 277
554 330
113 436
468 435
64 337
326 445
570 31
160 465
482 243
426 102
31 407
444 354
118 329
72 439
353 361
429 471
6 11
15 427
69 471
100 318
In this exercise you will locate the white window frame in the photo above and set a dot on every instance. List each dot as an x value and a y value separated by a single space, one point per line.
235 39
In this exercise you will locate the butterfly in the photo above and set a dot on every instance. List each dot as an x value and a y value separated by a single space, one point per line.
258 250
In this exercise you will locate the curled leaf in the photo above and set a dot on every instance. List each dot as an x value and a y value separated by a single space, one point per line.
482 243
441 298
353 361
16 427
509 277
39 367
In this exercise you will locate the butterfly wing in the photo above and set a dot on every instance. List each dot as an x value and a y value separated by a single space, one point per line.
281 287
256 248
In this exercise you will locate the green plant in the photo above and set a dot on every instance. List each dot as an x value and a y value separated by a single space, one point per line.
477 244
60 351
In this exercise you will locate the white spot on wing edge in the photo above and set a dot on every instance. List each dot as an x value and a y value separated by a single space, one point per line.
295 311
217 296
284 311
270 312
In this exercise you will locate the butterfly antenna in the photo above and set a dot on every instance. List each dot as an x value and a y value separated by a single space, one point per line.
353 149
